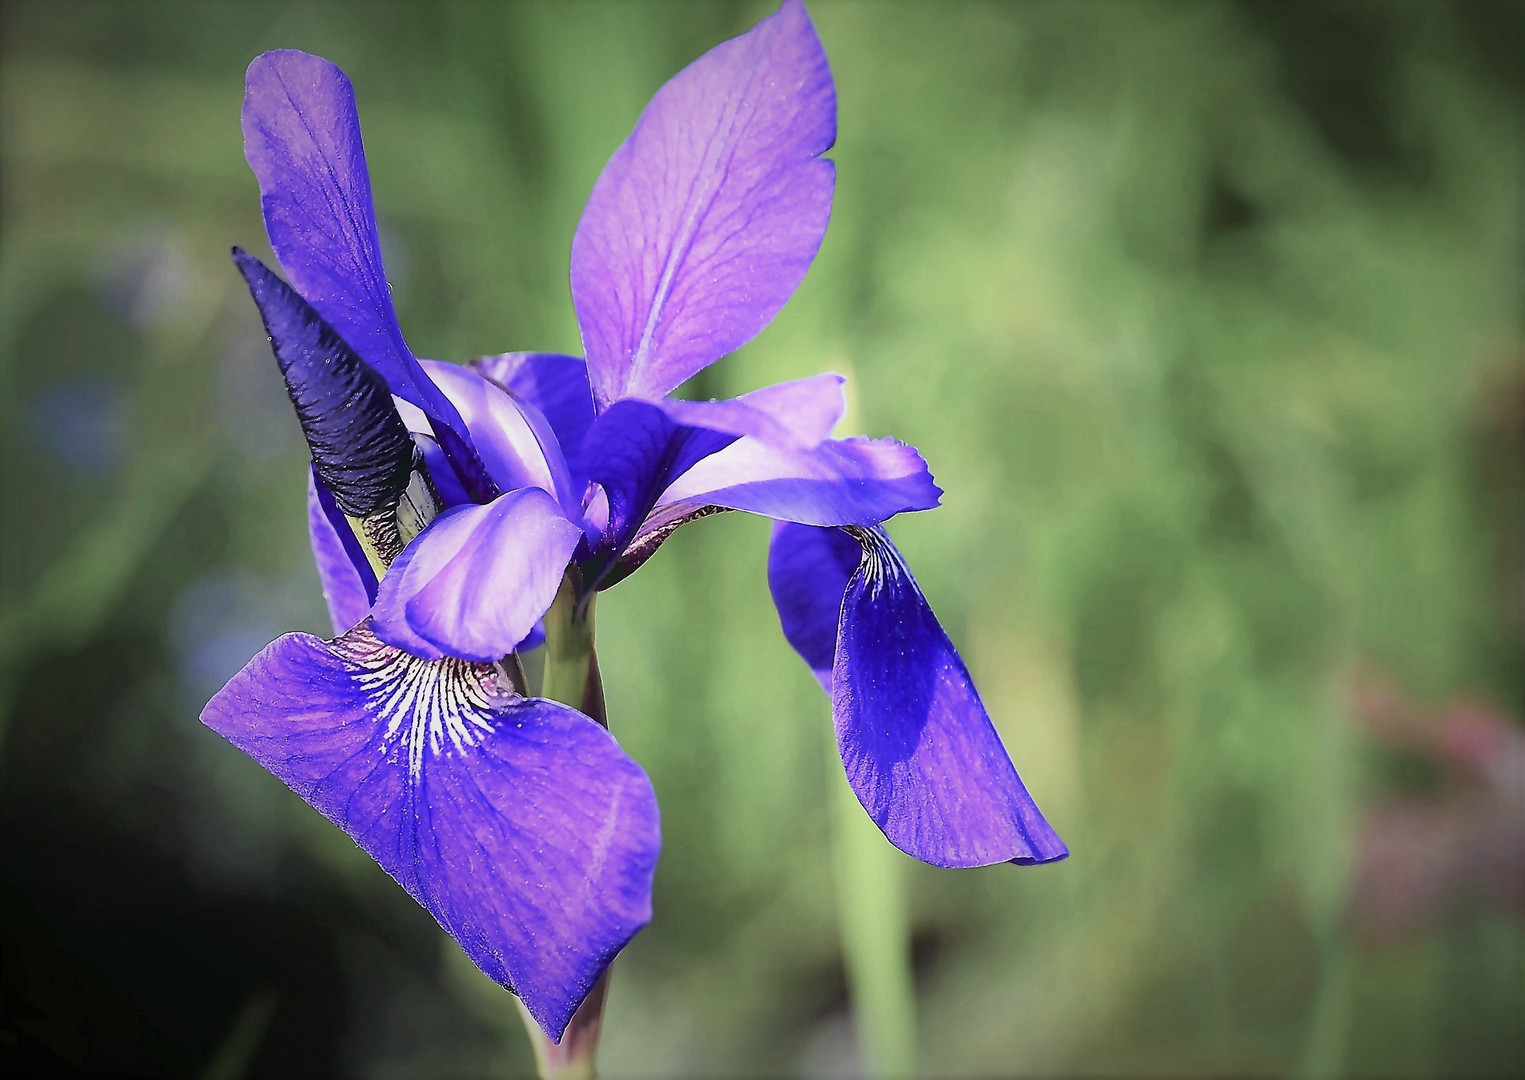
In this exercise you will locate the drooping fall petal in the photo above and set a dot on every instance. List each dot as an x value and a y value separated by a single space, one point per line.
919 749
808 572
518 823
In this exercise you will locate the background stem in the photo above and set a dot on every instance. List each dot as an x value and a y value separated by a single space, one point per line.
874 919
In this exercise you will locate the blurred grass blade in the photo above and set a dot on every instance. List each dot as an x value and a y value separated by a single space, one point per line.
242 1042
874 923
1323 1051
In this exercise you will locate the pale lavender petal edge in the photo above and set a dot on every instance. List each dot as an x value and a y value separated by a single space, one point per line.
706 218
475 582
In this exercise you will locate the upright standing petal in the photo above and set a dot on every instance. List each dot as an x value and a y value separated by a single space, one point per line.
516 442
518 823
706 218
555 384
919 749
302 139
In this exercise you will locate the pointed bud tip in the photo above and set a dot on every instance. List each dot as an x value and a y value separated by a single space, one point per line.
258 277
360 447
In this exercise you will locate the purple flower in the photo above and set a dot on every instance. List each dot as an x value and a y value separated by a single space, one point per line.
517 822
699 229
448 515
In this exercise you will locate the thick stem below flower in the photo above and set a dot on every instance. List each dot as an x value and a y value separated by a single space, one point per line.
574 1058
571 676
571 671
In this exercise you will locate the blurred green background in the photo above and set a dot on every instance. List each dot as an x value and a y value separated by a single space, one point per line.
1206 315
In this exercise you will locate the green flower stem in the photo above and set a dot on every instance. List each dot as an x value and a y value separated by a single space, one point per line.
874 919
575 1057
568 673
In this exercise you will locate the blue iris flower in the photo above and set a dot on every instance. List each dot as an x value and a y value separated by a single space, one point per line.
451 505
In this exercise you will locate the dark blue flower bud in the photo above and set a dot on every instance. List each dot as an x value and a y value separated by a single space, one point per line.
361 450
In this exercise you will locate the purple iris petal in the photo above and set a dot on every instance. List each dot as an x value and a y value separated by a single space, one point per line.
518 823
840 482
302 139
555 384
706 218
533 640
638 449
475 582
515 441
349 584
446 484
809 408
808 572
635 449
799 414
919 749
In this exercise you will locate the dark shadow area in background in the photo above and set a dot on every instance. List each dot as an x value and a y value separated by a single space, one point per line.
119 962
